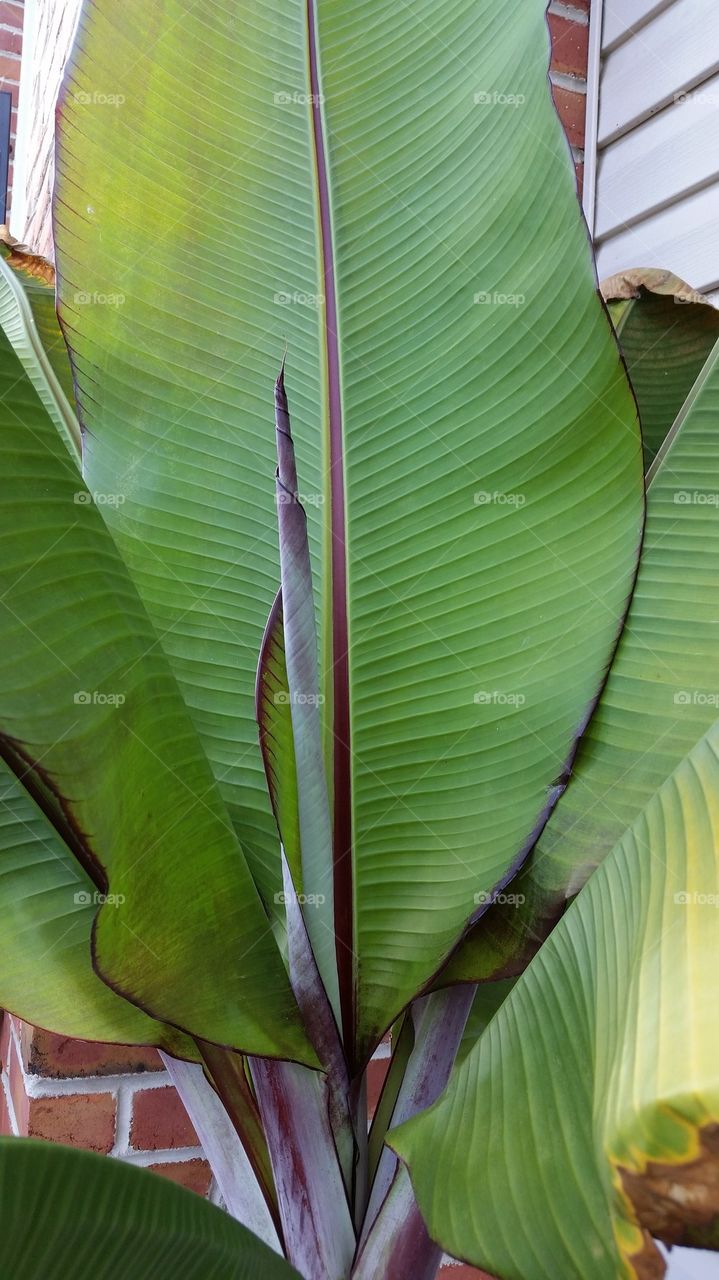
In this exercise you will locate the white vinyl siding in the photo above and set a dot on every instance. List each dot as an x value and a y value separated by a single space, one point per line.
47 38
656 181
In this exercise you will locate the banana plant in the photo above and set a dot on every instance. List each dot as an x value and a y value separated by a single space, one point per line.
336 657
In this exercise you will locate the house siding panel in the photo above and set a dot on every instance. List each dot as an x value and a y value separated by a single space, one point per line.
657 184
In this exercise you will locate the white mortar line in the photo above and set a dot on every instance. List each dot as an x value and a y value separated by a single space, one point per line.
5 1086
37 1086
214 1196
180 1155
569 12
123 1121
47 1087
574 83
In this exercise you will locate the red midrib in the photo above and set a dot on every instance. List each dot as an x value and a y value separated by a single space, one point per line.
342 817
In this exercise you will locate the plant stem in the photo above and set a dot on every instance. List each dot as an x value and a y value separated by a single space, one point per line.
402 1045
398 1247
360 1173
317 1224
439 1021
244 1198
227 1074
349 1131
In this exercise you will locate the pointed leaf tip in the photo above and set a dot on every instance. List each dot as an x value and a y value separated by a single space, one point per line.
304 725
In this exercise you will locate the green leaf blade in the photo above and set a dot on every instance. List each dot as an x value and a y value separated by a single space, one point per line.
83 1215
204 265
518 397
491 462
581 1122
661 695
47 906
92 717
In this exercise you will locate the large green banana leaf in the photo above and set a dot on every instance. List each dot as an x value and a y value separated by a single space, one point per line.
47 906
662 694
585 1119
231 181
666 332
92 722
66 1213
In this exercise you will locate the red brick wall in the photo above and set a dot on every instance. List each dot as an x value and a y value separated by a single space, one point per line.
11 17
114 1101
569 30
